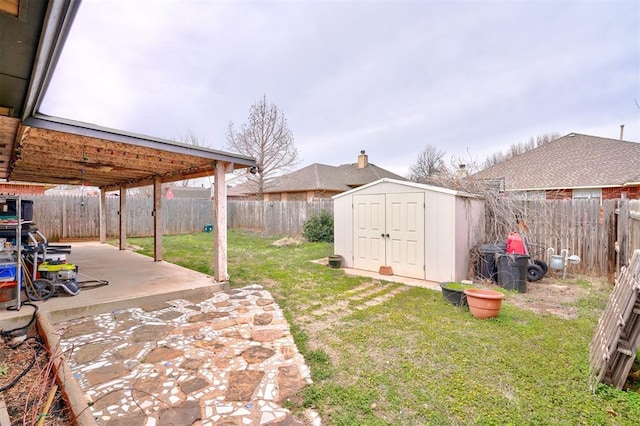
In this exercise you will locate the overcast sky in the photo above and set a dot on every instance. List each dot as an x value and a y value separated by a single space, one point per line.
389 77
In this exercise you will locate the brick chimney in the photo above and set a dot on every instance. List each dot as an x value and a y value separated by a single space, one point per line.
363 160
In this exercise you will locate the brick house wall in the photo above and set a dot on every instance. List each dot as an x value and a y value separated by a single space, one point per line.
632 193
559 194
19 189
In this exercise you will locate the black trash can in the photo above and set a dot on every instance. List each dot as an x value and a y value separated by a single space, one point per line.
512 271
486 266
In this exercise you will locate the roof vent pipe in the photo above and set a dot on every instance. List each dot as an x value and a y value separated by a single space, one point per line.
363 160
621 132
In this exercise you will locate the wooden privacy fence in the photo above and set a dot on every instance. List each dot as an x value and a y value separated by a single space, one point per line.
603 236
275 217
72 217
628 229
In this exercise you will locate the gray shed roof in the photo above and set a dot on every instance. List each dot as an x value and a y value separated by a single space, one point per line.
572 161
411 186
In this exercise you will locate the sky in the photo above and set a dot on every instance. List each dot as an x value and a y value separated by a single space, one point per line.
468 77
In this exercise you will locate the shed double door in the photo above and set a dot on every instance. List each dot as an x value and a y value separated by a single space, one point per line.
389 230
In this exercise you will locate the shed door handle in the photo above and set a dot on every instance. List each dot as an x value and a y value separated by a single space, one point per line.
384 235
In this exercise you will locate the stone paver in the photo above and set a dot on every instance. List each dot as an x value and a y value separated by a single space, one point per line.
229 359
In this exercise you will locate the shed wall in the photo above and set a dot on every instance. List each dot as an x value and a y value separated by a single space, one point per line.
439 245
343 229
469 232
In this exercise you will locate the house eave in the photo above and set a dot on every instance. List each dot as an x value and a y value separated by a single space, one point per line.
561 188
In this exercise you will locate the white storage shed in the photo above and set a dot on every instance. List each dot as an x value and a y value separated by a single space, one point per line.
420 231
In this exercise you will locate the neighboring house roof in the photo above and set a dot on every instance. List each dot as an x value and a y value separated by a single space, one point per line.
187 192
321 177
572 161
243 189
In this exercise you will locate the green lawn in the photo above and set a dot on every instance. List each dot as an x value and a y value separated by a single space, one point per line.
387 354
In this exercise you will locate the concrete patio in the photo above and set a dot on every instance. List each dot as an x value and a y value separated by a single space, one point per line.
131 278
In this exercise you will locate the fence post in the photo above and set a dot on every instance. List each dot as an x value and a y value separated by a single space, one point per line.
610 228
64 217
623 235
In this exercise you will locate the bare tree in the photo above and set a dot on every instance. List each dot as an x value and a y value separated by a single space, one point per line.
520 148
188 137
428 165
501 209
265 137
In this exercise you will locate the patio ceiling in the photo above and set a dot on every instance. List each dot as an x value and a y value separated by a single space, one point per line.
43 149
58 152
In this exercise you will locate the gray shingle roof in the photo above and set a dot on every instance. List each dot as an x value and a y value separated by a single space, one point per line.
191 192
572 161
329 178
241 190
319 177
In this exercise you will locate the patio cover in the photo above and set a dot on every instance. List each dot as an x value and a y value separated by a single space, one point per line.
42 149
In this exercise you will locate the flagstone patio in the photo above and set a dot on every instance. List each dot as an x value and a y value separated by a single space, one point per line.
227 359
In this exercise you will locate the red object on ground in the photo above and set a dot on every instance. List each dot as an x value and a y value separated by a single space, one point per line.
515 244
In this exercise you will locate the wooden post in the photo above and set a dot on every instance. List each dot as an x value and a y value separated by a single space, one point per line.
610 231
63 234
220 222
103 215
157 219
123 218
623 234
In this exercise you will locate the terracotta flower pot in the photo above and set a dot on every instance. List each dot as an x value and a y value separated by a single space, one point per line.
385 270
484 303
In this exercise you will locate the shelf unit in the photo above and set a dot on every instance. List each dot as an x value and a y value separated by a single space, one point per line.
11 225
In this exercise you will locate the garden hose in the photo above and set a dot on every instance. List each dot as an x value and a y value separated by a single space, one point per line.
29 367
32 292
15 338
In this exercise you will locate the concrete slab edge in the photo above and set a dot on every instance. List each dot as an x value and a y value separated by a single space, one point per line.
102 307
68 385
132 302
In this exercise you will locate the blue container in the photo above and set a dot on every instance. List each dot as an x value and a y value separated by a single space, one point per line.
7 271
208 227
